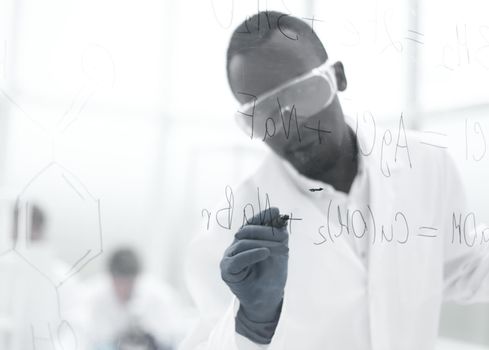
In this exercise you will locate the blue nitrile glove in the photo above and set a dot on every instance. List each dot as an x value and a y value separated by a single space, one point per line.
255 269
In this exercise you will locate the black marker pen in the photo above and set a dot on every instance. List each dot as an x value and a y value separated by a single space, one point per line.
279 222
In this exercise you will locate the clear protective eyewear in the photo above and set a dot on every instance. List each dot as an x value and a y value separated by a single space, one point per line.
304 96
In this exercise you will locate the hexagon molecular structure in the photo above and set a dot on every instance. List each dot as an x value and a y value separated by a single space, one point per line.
58 214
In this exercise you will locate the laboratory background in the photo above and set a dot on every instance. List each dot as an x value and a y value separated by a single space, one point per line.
117 138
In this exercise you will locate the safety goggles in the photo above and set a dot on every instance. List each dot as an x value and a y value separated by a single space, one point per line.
304 96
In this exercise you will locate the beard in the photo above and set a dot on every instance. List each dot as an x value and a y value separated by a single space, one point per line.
313 161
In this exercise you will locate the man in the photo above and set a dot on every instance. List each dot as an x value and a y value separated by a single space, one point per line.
381 241
30 305
129 308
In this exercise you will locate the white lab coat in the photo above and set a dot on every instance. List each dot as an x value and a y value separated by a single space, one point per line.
405 283
154 307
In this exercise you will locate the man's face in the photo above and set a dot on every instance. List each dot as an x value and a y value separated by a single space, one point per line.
123 287
278 61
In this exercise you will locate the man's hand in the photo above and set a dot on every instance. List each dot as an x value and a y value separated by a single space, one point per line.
255 269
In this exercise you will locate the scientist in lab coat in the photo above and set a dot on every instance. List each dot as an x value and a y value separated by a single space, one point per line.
33 311
377 236
130 309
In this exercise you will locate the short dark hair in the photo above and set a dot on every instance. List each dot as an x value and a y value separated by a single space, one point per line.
38 217
124 263
37 221
255 31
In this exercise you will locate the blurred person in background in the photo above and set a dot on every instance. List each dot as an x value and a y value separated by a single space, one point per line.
31 307
129 309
